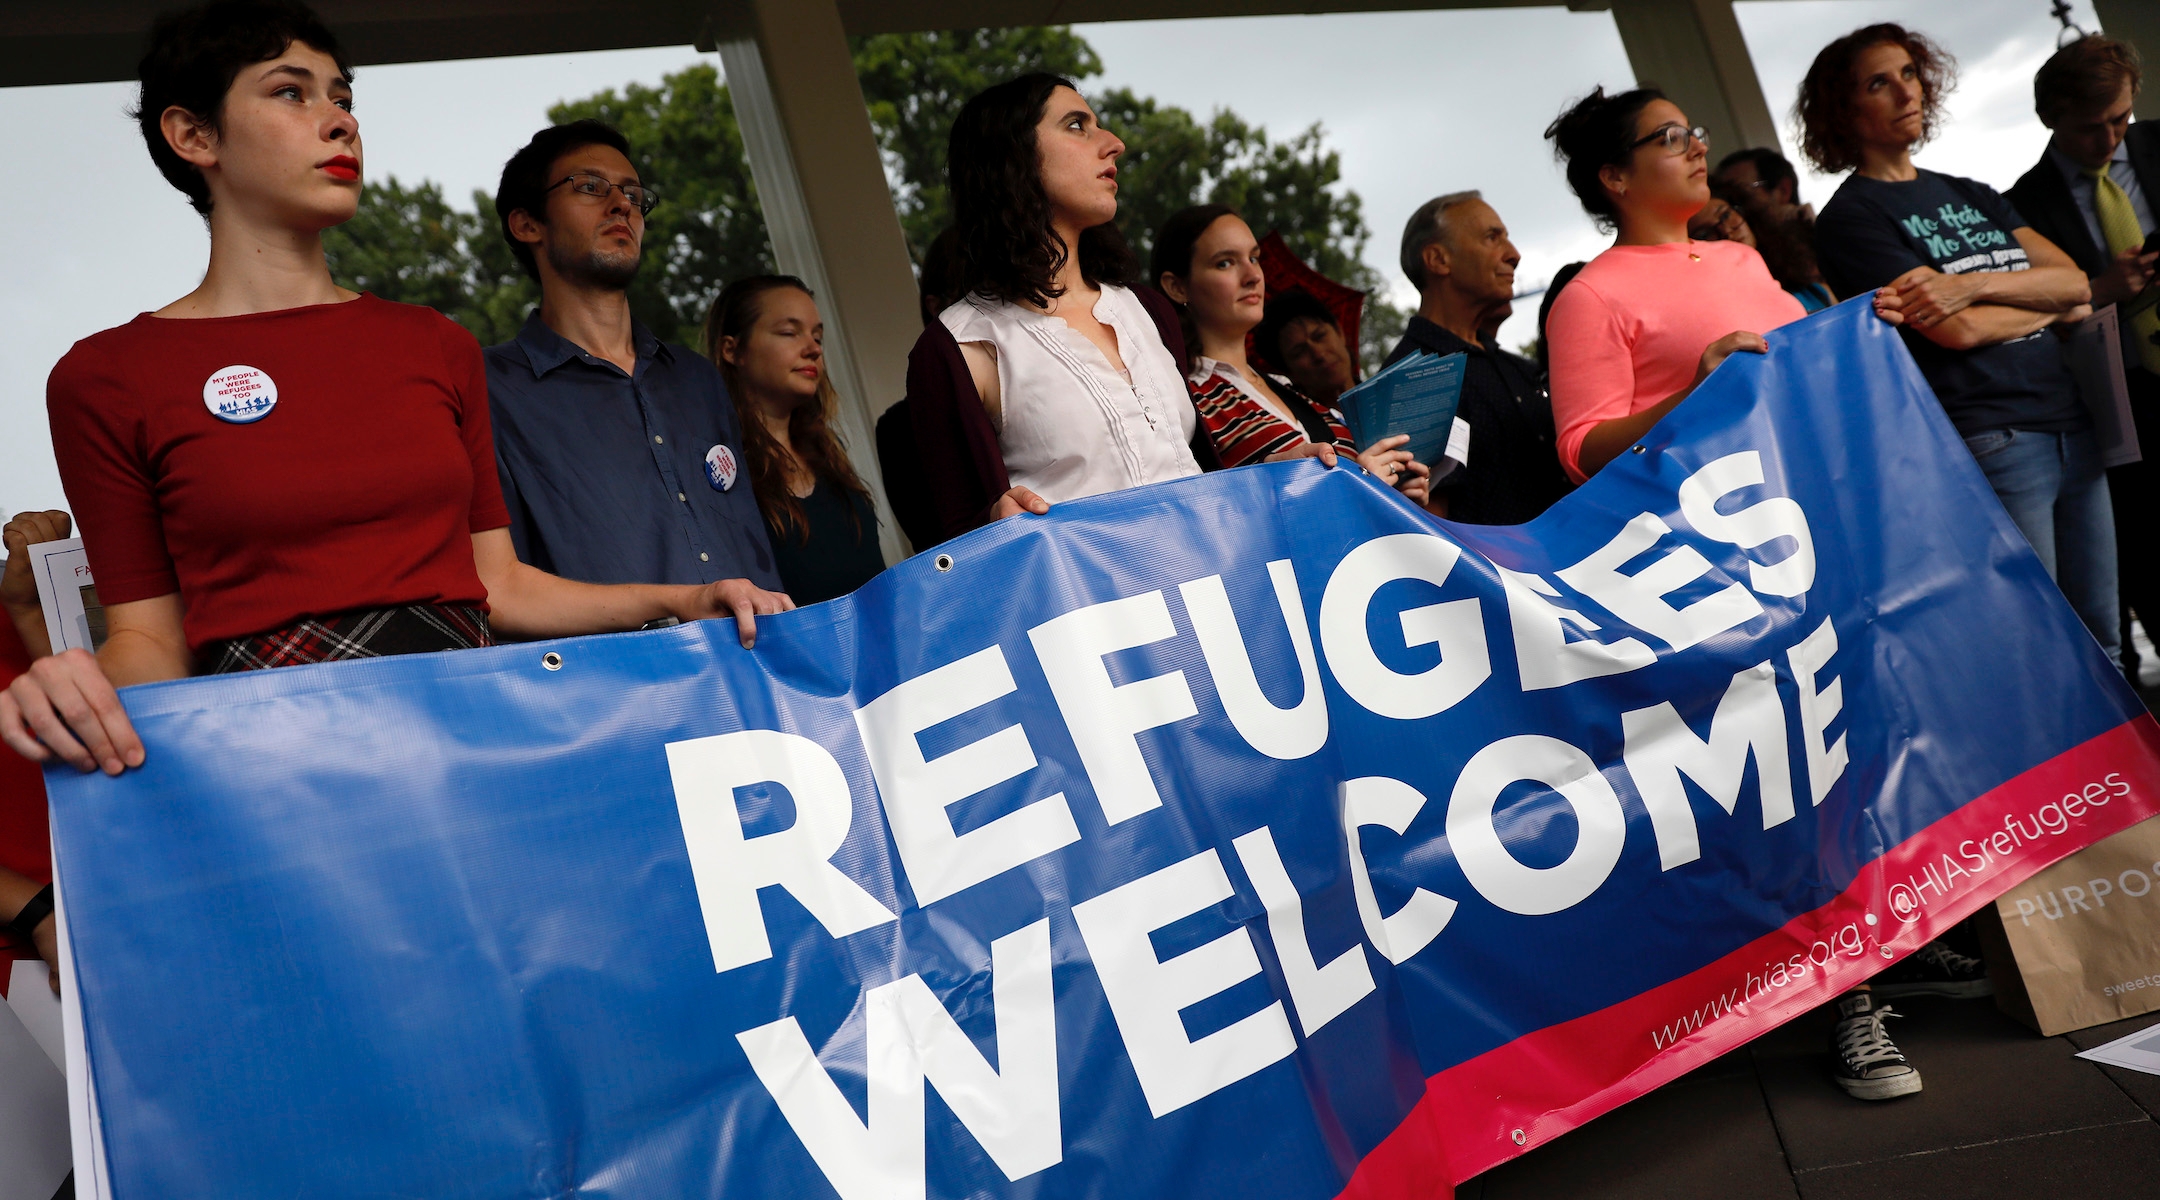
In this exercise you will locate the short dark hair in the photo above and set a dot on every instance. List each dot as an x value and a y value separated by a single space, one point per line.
1595 133
1561 278
1291 304
194 57
1824 110
1428 225
1008 249
1771 168
525 177
938 283
2083 76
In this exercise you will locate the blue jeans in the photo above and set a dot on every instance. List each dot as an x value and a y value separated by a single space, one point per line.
2056 492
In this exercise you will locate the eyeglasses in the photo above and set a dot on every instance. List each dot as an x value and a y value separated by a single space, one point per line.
598 188
1674 138
1721 228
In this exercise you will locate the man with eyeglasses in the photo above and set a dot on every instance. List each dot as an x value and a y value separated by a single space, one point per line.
621 456
1766 182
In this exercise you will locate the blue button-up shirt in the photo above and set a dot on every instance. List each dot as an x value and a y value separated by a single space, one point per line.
606 474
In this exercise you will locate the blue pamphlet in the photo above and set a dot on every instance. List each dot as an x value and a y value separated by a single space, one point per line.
1417 395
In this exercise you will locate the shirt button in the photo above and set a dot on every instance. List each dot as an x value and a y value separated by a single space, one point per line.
704 557
657 439
683 498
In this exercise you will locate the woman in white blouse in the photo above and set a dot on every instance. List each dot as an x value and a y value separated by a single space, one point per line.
1051 379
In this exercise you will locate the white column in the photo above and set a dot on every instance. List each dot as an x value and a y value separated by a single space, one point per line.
1693 50
2138 23
822 186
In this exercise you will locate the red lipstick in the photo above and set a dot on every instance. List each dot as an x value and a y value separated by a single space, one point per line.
343 167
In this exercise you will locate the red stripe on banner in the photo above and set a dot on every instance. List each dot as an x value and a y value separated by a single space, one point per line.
1517 1097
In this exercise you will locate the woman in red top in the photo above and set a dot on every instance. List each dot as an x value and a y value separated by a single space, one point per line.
272 469
1208 262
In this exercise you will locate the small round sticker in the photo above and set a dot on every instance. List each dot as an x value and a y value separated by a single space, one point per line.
720 467
241 395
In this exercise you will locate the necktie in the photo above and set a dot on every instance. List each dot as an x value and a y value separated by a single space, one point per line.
2119 224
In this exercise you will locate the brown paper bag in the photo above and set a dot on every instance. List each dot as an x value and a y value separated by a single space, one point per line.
2079 944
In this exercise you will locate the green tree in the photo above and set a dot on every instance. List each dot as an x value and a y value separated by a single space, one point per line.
502 292
1292 187
410 244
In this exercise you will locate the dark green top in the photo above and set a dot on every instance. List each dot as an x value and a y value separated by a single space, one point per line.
839 555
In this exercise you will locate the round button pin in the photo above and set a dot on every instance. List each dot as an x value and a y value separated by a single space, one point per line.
241 395
720 468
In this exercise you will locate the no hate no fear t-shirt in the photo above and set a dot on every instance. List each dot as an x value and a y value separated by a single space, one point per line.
279 465
1873 231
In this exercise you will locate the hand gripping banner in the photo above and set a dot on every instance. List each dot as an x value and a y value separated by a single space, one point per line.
1253 837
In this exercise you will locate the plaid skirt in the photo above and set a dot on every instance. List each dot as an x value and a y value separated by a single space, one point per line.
359 633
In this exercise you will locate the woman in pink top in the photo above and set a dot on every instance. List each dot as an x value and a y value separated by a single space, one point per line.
1651 317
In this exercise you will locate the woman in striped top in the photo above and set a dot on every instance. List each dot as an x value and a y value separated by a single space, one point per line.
1207 261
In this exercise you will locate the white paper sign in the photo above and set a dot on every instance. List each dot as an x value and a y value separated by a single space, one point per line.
2138 1052
73 617
1458 443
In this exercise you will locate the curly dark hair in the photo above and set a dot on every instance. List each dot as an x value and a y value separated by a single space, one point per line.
1825 108
194 57
1595 133
1008 247
733 315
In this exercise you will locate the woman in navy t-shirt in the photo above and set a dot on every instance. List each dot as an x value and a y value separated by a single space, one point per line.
1974 290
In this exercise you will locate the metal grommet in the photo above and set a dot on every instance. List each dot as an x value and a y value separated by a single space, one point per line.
1638 449
551 660
943 562
1520 1137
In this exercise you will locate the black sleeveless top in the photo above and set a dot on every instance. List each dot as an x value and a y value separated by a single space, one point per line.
838 555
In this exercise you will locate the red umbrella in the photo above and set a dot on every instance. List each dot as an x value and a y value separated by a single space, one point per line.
1287 272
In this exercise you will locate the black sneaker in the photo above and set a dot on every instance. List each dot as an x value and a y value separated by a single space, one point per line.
1934 970
1865 1060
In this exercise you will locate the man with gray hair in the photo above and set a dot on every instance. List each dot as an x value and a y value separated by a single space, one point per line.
1456 250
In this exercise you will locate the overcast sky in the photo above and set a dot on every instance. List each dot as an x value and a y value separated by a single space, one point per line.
1417 104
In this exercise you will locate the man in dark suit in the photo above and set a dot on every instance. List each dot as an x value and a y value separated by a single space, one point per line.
2094 193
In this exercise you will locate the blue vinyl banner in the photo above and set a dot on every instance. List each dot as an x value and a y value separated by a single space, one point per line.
1248 837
